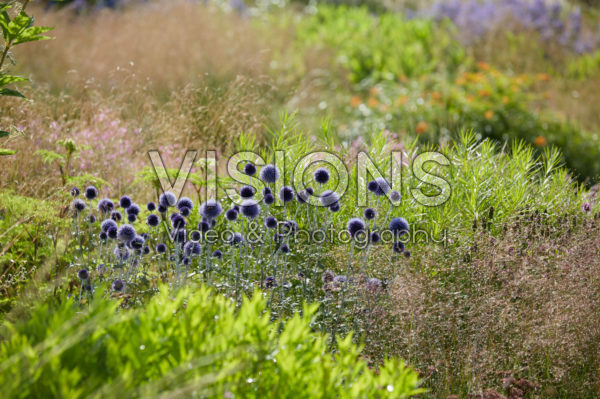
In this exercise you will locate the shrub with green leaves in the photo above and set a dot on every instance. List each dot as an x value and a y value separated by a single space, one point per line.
15 31
384 47
186 345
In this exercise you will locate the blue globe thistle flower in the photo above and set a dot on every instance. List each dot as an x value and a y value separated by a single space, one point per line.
103 236
250 169
192 248
131 218
339 281
310 190
75 192
185 202
78 205
172 258
375 237
370 214
266 191
270 222
291 227
217 254
185 212
179 235
137 242
329 198
146 250
236 238
118 285
112 232
356 226
250 209
398 247
211 209
407 254
145 236
284 249
277 238
162 209
268 199
126 233
151 206
152 220
379 186
91 192
302 197
286 194
203 226
236 207
161 248
116 216
395 196
269 173
247 192
399 226
88 287
195 235
133 209
177 221
125 202
327 276
373 284
270 282
83 274
105 206
321 175
92 219
121 253
335 207
167 199
186 261
231 215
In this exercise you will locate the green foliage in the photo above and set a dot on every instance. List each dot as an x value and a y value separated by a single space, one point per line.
15 31
189 344
385 47
585 66
62 161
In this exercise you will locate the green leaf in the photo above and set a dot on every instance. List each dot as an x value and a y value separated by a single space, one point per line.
32 34
4 152
4 133
8 79
11 93
4 21
19 24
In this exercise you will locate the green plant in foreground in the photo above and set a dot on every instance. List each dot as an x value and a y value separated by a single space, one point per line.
15 31
189 344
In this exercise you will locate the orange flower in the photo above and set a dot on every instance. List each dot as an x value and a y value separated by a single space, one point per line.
484 66
505 100
489 114
436 96
484 93
373 91
544 77
421 127
372 102
355 101
401 100
460 81
540 141
402 78
470 98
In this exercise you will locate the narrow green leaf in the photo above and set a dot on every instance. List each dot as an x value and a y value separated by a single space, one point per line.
4 152
4 133
32 34
8 79
11 93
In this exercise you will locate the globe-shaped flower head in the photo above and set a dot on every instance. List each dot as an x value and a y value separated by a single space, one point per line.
335 207
133 209
167 199
116 216
269 173
126 233
356 226
399 226
192 248
131 218
125 202
211 209
185 202
78 205
217 254
151 206
379 186
395 196
107 224
152 220
247 192
329 198
286 194
370 214
91 192
118 285
112 232
236 238
137 242
321 175
268 199
121 253
177 221
83 274
105 206
375 237
270 222
250 169
75 192
250 209
231 215
161 248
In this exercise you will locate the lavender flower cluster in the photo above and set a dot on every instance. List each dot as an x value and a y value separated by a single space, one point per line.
474 18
